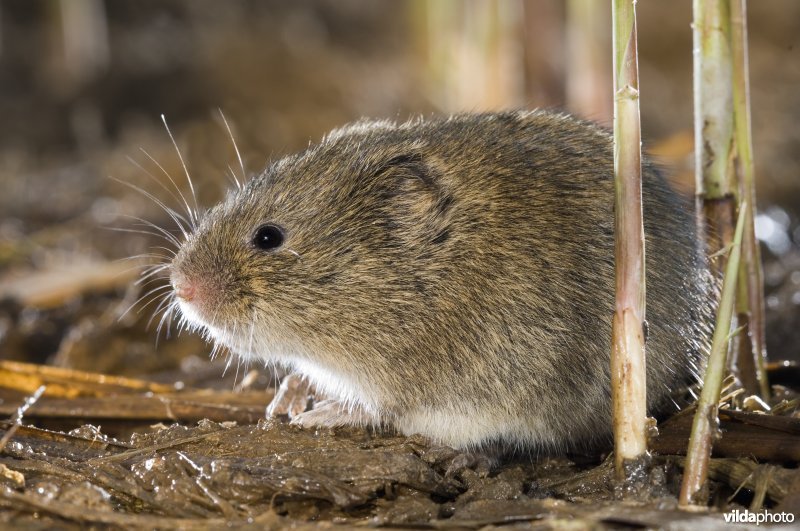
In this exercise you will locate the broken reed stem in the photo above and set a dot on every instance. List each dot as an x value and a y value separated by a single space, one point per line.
628 377
695 473
713 122
750 301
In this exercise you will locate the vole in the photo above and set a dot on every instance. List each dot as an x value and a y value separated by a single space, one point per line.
451 277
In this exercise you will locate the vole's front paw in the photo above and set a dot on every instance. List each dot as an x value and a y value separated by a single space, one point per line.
291 398
333 413
481 463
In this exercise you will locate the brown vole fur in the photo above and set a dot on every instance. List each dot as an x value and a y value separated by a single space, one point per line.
451 277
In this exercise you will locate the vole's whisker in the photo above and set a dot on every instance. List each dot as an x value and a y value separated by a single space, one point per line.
144 256
139 231
147 268
164 259
164 305
151 278
164 233
137 301
183 200
171 253
176 217
232 178
214 351
236 376
180 220
236 149
167 317
163 262
143 267
140 257
179 198
193 215
231 336
181 324
149 283
151 292
170 236
227 363
154 270
252 332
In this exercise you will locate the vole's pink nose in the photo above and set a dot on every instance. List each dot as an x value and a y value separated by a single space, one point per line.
184 290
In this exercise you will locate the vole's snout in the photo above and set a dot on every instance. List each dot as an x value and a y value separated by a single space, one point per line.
196 294
184 290
187 289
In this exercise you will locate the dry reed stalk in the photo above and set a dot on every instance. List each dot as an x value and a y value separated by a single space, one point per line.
752 351
695 473
628 376
713 123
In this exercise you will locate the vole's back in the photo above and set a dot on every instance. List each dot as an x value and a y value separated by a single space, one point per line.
457 275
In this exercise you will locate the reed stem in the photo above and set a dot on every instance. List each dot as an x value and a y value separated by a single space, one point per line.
628 376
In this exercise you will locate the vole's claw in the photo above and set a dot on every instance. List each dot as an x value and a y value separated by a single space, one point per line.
291 398
331 414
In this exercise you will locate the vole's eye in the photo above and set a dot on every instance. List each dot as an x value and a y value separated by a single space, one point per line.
268 237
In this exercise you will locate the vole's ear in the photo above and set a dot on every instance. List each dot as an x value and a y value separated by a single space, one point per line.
409 178
417 197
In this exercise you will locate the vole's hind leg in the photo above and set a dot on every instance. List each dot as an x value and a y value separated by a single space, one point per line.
292 397
333 413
